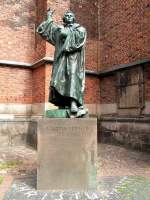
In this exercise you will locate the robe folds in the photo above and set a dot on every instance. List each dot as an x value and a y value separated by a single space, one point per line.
68 73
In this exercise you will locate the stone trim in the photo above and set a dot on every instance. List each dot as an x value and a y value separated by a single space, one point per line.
26 65
40 108
123 66
107 109
9 110
88 72
91 73
18 120
94 109
125 119
36 64
12 111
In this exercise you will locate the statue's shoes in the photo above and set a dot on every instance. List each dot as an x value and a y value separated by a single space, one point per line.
82 112
74 107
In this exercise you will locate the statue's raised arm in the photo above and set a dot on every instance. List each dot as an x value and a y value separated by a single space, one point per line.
47 28
50 13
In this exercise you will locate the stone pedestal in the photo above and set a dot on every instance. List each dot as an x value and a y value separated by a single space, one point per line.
67 151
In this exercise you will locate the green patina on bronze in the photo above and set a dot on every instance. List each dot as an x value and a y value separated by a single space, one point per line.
65 113
68 74
57 113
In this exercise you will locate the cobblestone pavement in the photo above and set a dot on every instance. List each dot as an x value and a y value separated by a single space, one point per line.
122 175
119 161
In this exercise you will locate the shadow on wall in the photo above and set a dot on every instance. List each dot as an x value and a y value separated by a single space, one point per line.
133 133
32 134
18 132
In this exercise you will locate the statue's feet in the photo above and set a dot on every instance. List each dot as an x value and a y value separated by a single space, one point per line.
74 107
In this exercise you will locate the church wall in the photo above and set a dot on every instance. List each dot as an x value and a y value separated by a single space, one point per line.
124 55
86 14
124 32
17 32
20 42
15 91
124 112
24 88
38 87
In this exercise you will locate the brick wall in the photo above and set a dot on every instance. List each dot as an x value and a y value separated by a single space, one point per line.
40 44
15 85
92 93
86 14
38 87
108 93
18 38
20 42
124 31
17 43
41 82
48 71
17 32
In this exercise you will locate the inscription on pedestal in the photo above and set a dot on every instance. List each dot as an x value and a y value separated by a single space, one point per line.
67 154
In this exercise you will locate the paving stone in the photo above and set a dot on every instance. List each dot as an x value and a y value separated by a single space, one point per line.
112 188
25 190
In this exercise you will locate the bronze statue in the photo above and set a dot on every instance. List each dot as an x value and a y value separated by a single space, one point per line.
68 74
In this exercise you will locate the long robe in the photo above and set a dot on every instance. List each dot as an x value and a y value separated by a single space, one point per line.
68 73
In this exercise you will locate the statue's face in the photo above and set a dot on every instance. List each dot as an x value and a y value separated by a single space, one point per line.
69 18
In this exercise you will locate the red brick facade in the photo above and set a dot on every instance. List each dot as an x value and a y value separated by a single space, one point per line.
15 85
124 32
108 93
17 32
38 87
19 42
92 92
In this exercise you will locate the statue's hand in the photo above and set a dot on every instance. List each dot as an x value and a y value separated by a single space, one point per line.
50 13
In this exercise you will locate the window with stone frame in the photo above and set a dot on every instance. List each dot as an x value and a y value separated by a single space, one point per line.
130 89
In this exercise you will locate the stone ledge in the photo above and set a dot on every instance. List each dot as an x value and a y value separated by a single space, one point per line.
126 119
26 65
38 63
17 120
132 133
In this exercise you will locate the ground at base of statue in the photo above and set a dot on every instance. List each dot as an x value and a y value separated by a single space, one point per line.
122 175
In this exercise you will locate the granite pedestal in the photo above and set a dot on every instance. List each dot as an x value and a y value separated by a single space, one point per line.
67 151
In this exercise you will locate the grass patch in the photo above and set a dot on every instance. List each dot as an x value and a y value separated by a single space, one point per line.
10 164
1 179
132 187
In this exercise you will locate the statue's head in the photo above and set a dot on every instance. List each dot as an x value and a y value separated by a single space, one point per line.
69 17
